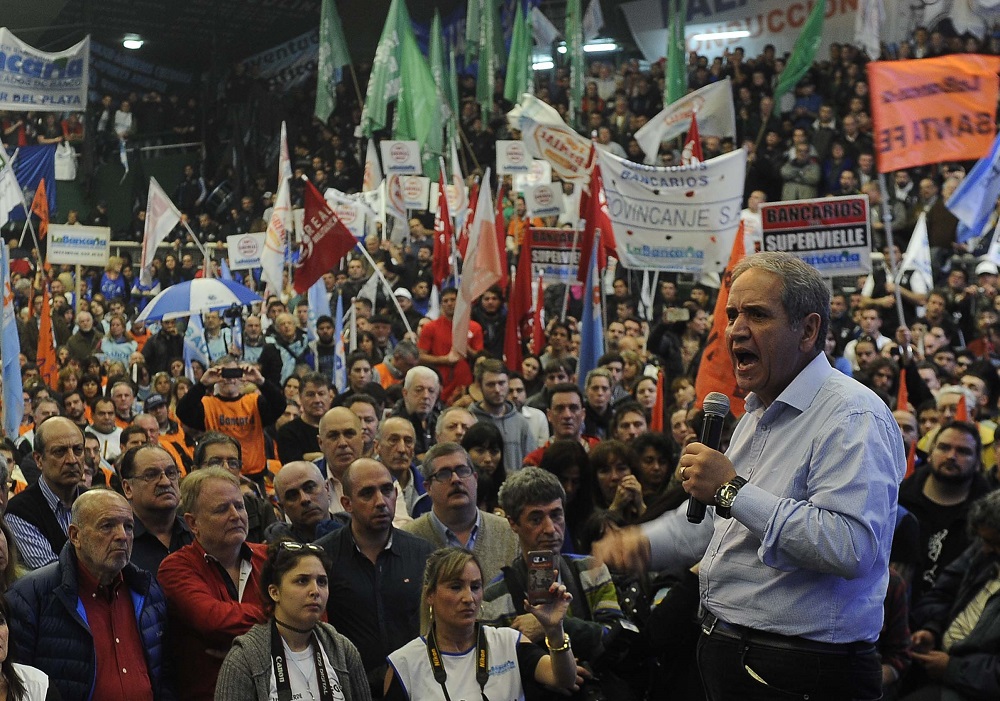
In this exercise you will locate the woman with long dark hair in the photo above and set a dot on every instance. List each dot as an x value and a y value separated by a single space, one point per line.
294 654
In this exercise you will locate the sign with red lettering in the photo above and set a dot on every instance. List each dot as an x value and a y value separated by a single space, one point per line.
932 110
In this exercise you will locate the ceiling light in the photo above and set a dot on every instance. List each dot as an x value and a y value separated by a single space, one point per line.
600 48
543 66
736 34
132 42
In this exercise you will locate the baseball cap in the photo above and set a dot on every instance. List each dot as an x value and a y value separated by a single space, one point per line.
155 401
402 292
987 268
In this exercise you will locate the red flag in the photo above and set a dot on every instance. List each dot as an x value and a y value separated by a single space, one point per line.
502 241
444 231
537 332
518 307
902 394
470 214
962 410
325 240
40 208
911 459
715 374
657 420
594 210
692 147
45 356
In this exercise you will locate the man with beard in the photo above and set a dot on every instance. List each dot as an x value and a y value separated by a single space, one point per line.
491 315
298 439
436 346
939 495
163 347
257 350
151 483
86 341
324 348
421 390
377 570
291 343
74 409
106 430
518 439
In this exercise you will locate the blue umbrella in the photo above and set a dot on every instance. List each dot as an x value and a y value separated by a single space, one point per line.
197 297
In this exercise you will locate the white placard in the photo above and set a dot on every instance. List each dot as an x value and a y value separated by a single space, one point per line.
416 189
540 174
543 200
512 157
401 157
245 250
78 245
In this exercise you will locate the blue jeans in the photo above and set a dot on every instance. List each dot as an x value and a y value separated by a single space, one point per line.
741 670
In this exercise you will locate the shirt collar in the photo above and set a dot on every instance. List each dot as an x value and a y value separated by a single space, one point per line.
50 497
803 388
447 533
90 587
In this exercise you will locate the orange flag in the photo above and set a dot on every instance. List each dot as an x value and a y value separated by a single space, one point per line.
902 394
40 208
715 374
932 110
911 459
656 420
45 358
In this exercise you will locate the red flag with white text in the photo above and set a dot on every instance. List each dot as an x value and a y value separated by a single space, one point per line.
325 240
444 231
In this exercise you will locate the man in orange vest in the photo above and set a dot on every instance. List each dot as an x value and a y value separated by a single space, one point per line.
228 410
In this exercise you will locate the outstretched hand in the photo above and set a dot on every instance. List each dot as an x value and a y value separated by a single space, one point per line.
551 613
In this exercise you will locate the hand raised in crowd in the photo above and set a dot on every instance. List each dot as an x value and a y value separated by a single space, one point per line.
211 376
623 550
628 496
251 373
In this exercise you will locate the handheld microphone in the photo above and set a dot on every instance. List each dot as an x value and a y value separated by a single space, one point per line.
716 407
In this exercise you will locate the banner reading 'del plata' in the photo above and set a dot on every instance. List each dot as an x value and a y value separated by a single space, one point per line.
40 81
832 234
933 109
678 219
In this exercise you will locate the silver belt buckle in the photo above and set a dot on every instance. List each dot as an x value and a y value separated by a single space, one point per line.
708 623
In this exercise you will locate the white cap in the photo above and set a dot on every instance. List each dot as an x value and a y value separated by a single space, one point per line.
402 292
987 268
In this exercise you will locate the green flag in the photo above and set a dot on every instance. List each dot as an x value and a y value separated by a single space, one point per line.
803 52
384 83
418 111
452 93
486 80
439 72
519 74
676 52
574 51
333 56
472 30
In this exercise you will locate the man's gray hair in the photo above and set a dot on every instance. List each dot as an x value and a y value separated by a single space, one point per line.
970 397
803 290
439 451
406 349
530 485
984 513
420 372
439 426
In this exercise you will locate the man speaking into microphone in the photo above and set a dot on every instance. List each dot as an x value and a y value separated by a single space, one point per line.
794 548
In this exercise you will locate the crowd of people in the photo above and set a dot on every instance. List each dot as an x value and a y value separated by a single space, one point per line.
242 529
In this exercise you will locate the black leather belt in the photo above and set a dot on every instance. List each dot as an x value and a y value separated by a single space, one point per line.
712 625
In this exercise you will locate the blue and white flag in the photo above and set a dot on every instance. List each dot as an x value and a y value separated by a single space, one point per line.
13 397
591 326
195 346
224 272
976 196
339 356
318 306
918 254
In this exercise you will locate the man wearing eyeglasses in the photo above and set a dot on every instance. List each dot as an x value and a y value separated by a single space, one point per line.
455 518
40 515
304 496
151 483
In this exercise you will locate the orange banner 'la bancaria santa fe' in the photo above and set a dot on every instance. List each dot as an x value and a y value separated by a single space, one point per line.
933 109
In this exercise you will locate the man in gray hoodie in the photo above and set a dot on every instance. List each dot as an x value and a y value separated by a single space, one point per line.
518 438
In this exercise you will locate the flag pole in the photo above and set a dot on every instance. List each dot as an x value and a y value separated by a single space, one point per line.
572 253
387 286
596 251
887 221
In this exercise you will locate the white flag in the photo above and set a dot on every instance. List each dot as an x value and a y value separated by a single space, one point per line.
918 253
593 20
716 116
284 162
867 25
161 217
272 259
373 171
481 267
460 205
10 193
544 31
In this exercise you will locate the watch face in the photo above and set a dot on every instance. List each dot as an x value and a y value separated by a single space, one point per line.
727 493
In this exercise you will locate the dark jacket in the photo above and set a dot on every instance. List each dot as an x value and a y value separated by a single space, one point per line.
973 671
160 350
47 621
